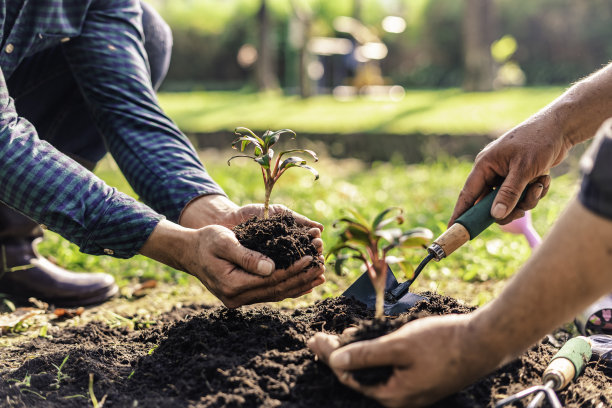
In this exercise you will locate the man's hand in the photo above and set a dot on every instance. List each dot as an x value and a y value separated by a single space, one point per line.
233 273
432 358
220 210
523 155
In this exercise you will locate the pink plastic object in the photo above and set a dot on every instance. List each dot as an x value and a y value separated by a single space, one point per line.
524 226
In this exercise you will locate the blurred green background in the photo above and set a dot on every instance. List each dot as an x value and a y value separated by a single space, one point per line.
398 96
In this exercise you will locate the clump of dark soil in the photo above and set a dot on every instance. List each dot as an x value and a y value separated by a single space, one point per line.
369 329
279 237
248 357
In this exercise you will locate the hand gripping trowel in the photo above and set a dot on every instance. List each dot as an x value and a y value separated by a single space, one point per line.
397 298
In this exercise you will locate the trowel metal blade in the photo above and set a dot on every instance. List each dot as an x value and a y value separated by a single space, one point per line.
363 291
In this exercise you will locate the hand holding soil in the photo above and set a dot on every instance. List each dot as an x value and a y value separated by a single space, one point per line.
233 273
432 357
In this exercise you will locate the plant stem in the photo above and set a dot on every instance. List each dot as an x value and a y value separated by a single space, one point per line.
380 301
269 186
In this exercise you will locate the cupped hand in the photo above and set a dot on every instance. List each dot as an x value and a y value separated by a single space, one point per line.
239 276
432 358
521 157
220 210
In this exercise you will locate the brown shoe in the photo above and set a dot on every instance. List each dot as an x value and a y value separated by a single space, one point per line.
24 274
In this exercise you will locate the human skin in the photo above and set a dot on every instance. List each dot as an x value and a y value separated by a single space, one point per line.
526 153
203 245
437 356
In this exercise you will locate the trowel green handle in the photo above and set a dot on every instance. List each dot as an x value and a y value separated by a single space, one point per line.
478 218
468 226
568 363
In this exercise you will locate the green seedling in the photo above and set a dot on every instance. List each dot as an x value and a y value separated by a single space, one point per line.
370 243
263 155
60 376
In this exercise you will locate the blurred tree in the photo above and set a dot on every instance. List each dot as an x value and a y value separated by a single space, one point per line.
303 16
478 27
265 70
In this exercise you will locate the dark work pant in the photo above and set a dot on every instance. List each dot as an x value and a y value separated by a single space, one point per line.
46 93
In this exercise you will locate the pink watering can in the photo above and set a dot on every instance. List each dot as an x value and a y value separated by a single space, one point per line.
524 226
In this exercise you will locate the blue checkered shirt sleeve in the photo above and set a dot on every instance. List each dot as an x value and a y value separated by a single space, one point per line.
39 181
109 63
106 55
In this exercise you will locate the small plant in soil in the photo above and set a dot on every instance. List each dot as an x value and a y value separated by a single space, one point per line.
370 243
279 237
263 154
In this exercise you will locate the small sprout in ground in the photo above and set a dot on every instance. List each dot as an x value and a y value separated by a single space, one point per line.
92 396
263 155
370 243
22 383
60 376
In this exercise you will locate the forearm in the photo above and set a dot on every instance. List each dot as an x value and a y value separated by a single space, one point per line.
567 272
582 108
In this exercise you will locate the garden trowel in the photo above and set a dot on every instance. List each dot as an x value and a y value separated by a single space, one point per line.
397 298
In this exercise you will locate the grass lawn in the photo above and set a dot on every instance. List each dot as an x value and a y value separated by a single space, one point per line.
447 111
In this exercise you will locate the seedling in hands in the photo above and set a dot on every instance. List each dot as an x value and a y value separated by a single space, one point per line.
263 154
370 243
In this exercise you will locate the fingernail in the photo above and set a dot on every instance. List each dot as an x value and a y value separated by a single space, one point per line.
265 267
341 359
499 211
539 189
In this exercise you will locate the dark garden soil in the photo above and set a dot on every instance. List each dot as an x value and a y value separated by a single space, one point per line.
201 356
279 237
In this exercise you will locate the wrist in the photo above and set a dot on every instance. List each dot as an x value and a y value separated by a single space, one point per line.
165 244
207 210
489 349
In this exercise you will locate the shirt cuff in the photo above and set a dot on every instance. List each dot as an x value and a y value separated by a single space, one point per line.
178 189
123 228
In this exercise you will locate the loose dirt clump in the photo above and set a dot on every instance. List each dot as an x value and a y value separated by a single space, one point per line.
248 357
279 237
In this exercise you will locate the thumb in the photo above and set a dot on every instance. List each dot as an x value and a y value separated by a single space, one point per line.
251 261
508 195
377 352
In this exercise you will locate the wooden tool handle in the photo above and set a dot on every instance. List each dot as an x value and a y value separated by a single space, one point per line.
449 241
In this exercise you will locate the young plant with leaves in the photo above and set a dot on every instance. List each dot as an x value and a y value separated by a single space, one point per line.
263 155
370 243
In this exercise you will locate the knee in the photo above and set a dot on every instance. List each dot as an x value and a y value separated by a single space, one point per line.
158 43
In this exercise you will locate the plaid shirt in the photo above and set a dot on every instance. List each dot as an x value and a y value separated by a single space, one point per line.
103 43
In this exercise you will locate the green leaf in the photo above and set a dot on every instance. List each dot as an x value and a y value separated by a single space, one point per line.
292 162
310 152
272 137
379 221
416 237
339 247
298 162
240 130
360 218
353 233
264 161
240 155
391 235
242 142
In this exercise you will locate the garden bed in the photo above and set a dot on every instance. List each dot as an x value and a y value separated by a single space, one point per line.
200 356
